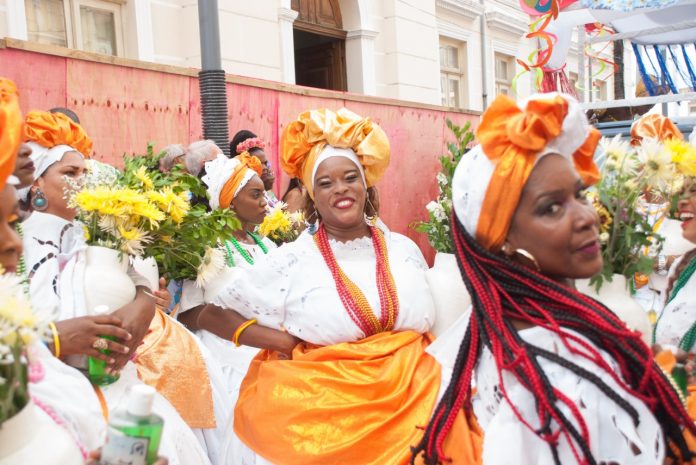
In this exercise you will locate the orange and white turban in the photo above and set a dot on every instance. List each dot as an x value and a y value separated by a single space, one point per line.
10 129
654 126
225 177
52 135
488 182
320 134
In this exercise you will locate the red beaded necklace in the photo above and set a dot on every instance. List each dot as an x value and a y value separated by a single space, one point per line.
353 298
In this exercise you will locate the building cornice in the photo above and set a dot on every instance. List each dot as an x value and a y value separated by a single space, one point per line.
287 14
452 31
505 22
467 8
361 34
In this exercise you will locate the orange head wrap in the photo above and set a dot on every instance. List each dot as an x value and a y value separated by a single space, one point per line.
10 129
239 174
52 129
654 127
304 139
512 139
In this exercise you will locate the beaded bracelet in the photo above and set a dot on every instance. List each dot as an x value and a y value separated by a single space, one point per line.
240 330
56 339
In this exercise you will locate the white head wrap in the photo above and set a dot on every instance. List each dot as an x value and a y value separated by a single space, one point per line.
217 172
331 151
474 172
43 158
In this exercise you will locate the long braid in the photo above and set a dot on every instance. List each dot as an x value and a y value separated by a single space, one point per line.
502 292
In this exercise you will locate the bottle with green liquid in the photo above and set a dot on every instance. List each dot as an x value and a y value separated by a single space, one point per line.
133 435
96 369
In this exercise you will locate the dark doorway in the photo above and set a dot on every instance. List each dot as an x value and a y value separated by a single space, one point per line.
320 60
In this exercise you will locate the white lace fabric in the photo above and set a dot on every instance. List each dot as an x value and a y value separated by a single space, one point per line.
613 436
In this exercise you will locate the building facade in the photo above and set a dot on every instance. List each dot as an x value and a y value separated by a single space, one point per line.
454 53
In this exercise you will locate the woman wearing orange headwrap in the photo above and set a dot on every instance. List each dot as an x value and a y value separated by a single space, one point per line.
650 289
233 184
53 252
359 386
560 379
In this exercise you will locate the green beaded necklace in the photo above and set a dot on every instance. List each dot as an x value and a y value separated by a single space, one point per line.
689 338
229 260
22 267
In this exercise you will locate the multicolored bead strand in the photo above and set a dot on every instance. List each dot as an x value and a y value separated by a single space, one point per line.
350 294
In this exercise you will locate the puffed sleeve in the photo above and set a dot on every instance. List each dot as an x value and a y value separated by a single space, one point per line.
260 291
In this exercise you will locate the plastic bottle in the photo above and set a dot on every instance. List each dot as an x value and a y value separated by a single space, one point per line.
133 435
96 369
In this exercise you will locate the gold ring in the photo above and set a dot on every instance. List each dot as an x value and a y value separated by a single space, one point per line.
100 344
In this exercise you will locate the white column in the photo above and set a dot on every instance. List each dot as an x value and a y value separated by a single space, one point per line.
360 61
143 26
286 18
16 20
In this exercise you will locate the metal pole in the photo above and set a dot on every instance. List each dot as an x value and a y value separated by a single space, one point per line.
209 28
211 79
484 53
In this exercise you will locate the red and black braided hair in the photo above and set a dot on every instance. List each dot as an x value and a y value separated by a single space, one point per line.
502 292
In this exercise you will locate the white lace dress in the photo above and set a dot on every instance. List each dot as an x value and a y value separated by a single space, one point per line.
614 439
234 361
678 315
50 243
292 289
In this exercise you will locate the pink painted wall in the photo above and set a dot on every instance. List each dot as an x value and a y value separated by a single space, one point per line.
123 108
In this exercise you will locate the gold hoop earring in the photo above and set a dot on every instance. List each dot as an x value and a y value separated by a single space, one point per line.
507 250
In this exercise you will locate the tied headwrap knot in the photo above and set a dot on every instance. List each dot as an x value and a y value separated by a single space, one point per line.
513 139
10 129
304 139
239 177
53 129
654 127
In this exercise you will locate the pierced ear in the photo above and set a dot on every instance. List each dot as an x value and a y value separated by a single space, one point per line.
507 249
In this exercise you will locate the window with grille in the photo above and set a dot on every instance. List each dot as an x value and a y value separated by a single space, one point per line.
452 73
504 73
89 25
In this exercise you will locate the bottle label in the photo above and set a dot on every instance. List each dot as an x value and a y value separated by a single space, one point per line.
121 449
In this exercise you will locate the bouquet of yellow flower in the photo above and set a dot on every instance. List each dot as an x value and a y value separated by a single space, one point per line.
281 226
18 329
183 244
123 217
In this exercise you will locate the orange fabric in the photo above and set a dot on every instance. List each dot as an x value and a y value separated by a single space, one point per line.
51 129
303 140
361 402
170 361
691 408
102 402
512 138
583 158
666 360
654 127
10 129
246 162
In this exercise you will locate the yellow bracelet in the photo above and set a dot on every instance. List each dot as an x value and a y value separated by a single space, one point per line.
56 339
240 330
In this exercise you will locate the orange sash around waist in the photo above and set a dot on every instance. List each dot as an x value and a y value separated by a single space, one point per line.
361 403
170 361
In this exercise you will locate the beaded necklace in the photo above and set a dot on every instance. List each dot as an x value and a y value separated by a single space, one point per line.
689 338
350 294
22 267
229 260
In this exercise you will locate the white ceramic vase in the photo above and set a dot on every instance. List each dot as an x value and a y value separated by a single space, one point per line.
32 437
617 297
106 279
448 290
